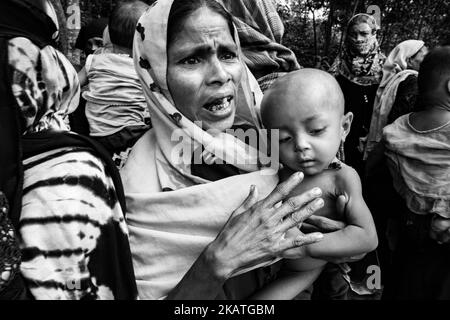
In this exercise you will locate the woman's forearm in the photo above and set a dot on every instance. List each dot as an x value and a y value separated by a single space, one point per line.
203 281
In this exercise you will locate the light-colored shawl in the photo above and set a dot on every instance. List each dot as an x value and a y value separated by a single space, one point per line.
419 162
169 230
394 72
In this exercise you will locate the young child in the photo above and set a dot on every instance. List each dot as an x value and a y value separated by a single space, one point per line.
417 148
307 107
116 109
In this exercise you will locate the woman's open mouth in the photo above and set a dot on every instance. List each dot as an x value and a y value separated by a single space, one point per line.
219 106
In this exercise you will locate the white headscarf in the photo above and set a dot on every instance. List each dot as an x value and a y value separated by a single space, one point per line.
394 72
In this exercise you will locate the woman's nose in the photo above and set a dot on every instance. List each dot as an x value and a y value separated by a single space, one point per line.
217 72
360 37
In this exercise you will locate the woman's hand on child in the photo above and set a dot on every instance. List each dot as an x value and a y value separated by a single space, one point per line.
325 225
255 232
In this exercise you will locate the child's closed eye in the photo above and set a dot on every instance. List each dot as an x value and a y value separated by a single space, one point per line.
284 139
318 131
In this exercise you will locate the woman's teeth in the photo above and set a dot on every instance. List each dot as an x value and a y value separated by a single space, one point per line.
219 105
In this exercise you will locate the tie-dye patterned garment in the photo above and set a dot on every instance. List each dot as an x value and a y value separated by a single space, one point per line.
73 235
72 232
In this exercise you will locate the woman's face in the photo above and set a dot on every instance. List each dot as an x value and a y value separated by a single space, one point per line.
415 61
361 35
204 70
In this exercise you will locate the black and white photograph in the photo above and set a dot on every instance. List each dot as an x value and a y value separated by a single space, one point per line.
241 152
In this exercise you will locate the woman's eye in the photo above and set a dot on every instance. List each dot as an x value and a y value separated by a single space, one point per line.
190 60
229 56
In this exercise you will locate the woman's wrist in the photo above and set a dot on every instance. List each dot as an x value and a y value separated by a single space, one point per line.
212 259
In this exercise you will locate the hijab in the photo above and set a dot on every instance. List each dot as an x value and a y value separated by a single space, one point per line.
361 69
151 65
38 87
395 70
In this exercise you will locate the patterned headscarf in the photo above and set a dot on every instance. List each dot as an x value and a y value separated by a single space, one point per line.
150 55
360 62
44 84
261 32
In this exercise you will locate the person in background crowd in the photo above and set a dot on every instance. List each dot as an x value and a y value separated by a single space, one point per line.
359 70
90 37
396 96
64 194
417 148
116 108
397 92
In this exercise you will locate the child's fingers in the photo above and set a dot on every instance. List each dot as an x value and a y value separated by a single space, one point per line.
325 224
309 228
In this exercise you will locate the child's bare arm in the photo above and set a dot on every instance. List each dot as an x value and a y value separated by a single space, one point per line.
295 276
359 236
288 285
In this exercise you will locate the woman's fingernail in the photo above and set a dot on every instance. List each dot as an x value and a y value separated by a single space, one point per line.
317 191
319 203
299 175
318 236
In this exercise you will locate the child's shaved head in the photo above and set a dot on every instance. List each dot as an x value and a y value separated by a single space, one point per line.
123 20
304 88
307 109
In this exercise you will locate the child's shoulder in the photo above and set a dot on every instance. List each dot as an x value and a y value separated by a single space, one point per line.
347 177
325 180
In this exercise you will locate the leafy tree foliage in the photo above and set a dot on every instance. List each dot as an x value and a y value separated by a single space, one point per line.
400 20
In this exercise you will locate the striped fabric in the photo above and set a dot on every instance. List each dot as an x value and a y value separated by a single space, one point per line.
72 228
260 32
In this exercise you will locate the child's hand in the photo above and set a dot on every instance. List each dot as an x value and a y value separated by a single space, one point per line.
440 229
295 253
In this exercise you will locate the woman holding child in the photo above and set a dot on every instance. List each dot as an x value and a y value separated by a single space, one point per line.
201 227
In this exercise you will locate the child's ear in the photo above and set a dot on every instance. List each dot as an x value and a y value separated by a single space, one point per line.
346 124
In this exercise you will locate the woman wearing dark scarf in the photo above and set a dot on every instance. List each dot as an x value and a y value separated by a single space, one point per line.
62 196
359 69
